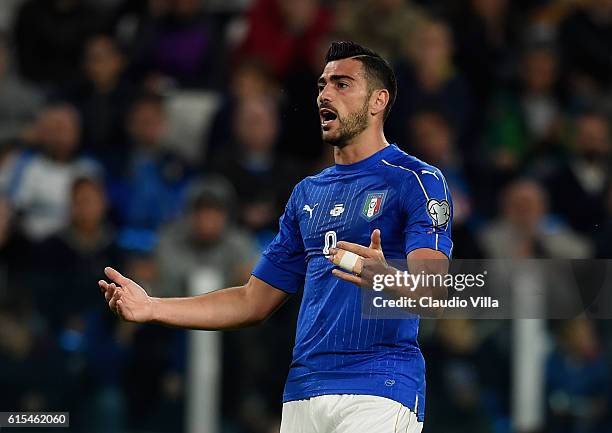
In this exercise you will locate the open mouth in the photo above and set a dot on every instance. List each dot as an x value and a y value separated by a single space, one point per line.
327 116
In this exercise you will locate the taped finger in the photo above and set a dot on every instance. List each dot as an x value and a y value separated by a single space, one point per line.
349 261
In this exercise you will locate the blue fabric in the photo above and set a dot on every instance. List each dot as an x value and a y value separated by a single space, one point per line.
148 197
337 351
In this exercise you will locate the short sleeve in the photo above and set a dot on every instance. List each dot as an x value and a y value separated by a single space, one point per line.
283 262
428 212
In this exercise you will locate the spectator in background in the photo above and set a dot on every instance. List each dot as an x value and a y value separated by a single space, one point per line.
263 181
484 39
584 38
35 375
285 34
49 37
102 98
577 381
149 190
250 79
433 142
465 372
38 184
428 80
68 261
15 259
523 230
204 243
71 258
177 40
143 264
154 373
154 380
396 23
19 103
578 186
526 120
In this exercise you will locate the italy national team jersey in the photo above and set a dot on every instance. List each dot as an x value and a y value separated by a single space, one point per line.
337 350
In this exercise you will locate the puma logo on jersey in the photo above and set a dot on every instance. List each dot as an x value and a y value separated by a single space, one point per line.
309 209
430 172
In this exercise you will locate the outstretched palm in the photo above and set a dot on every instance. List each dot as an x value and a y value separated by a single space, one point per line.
126 298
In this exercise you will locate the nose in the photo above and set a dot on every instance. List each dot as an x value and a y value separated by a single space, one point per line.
325 95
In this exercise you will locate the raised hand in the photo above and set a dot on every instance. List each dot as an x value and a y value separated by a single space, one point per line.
126 298
364 262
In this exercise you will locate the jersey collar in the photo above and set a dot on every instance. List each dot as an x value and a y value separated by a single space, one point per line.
368 162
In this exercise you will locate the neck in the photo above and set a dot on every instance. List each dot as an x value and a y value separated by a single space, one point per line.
361 147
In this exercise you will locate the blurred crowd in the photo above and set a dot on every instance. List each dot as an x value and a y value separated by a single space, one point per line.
164 137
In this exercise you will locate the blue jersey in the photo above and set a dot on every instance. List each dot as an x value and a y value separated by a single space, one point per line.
337 350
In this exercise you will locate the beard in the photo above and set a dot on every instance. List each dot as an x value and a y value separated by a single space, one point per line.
350 126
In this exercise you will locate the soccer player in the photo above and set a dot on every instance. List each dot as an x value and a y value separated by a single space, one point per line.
350 373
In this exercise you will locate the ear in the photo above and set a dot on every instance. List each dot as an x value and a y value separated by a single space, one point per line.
379 101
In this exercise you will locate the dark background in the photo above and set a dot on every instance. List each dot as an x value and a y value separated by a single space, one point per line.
165 136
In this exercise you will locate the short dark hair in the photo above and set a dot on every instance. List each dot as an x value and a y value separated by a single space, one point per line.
376 68
90 180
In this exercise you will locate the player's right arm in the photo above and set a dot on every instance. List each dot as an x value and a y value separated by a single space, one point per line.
279 273
234 307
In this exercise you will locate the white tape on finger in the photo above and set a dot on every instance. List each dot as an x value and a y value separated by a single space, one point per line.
348 261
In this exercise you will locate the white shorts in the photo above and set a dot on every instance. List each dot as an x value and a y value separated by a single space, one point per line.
347 413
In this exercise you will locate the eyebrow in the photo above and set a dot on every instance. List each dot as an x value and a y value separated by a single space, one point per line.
335 78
